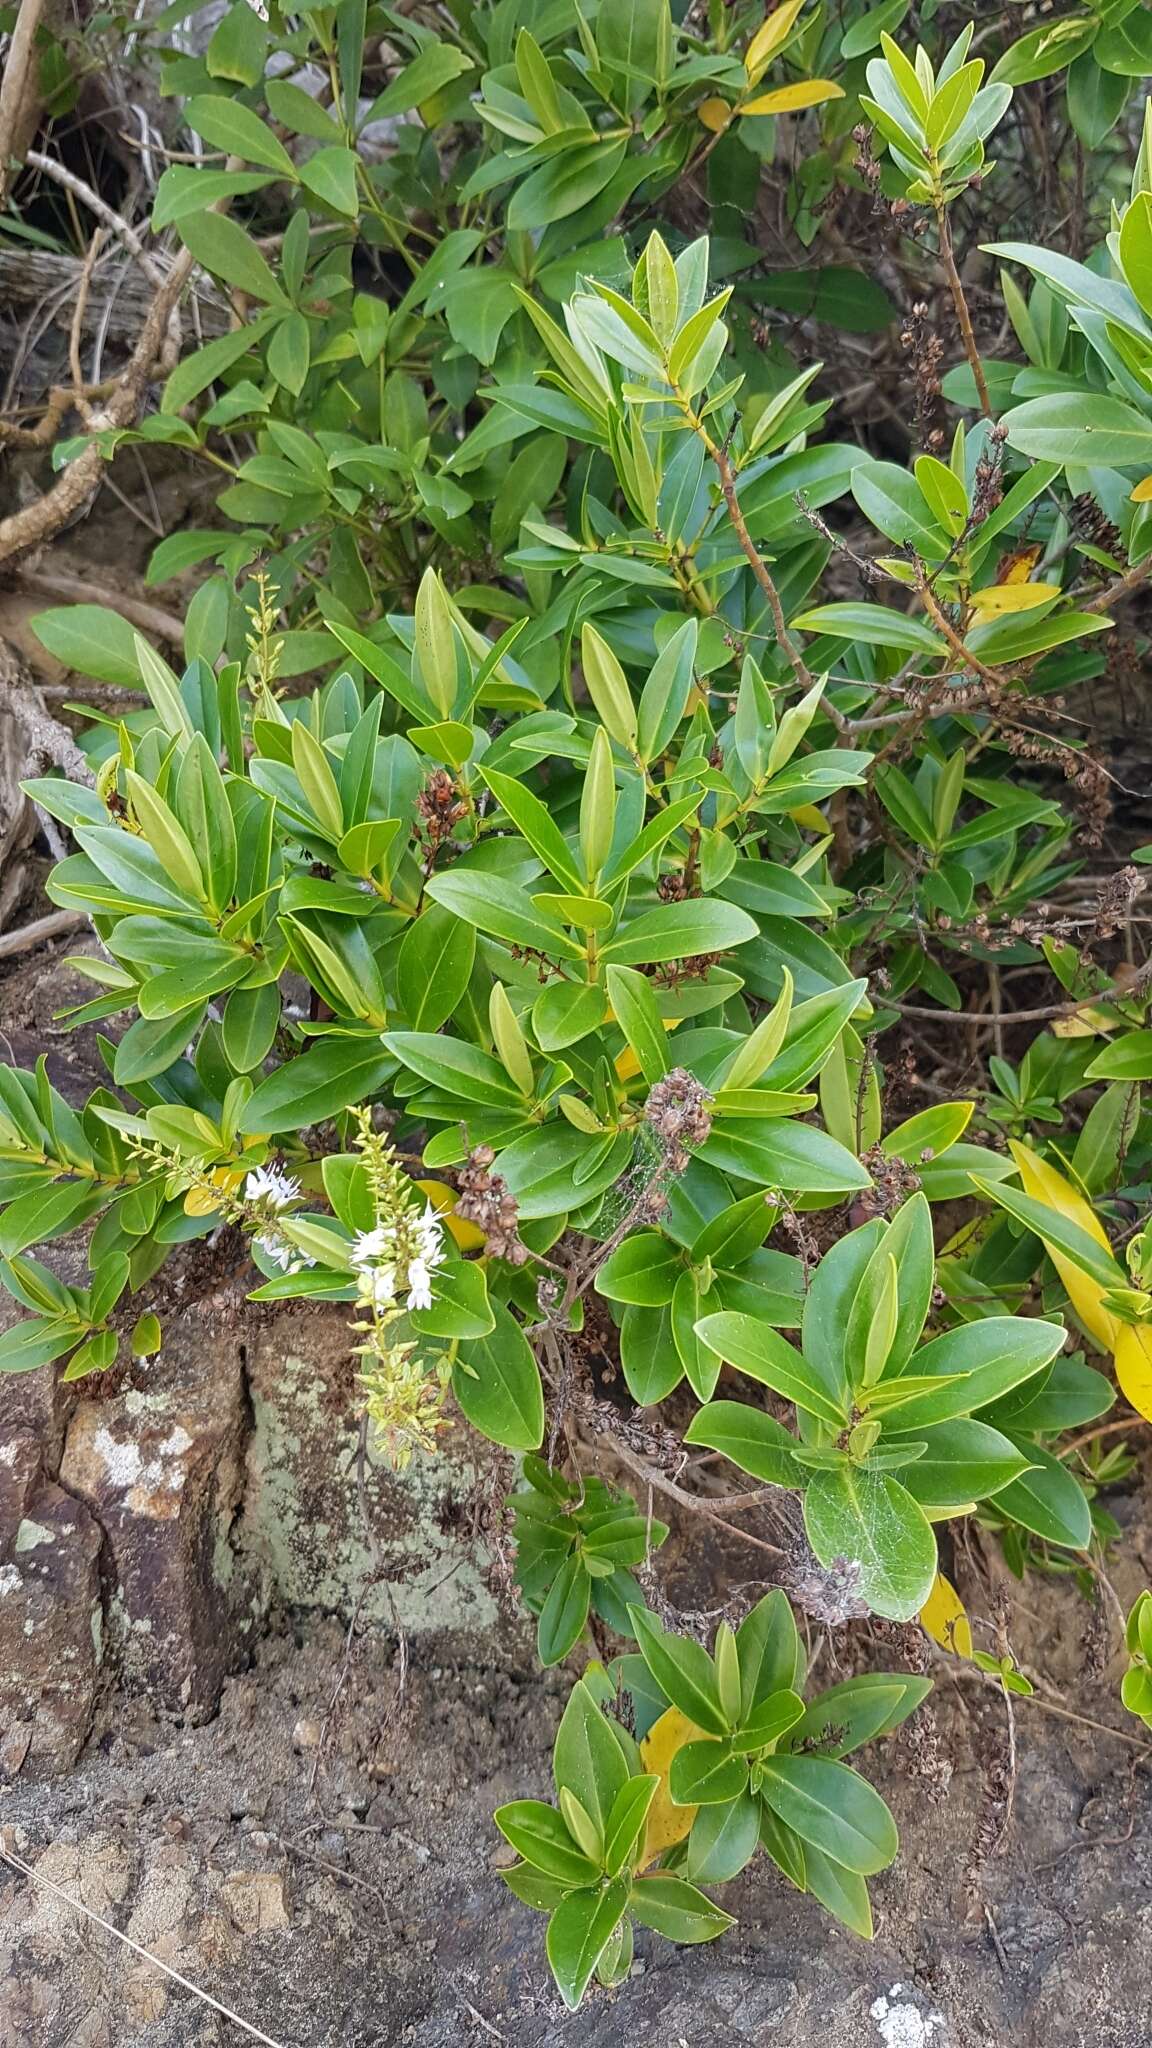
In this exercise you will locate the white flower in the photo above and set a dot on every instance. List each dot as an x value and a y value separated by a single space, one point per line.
430 1232
420 1285
371 1245
272 1187
377 1285
275 1250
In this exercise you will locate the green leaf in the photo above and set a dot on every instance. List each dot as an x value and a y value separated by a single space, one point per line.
534 820
506 911
874 1521
497 1383
454 1067
564 183
683 1671
625 1825
578 1933
644 1269
537 1832
319 1084
228 124
723 1840
673 1907
222 246
754 1441
238 46
436 65
783 1154
47 1213
36 1342
856 1711
706 1774
1047 1499
1087 432
587 1759
331 175
769 1652
965 1460
204 365
874 625
564 1613
434 967
636 1011
834 1809
92 640
767 1356
990 1356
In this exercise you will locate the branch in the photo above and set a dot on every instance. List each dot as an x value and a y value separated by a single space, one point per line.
1115 992
103 212
148 618
19 72
964 317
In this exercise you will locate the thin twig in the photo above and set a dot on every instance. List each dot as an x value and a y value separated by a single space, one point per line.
963 316
61 175
1040 1015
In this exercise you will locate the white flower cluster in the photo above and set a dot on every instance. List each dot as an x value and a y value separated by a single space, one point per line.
270 1190
402 1253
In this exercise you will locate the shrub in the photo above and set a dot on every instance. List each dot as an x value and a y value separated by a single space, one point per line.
540 963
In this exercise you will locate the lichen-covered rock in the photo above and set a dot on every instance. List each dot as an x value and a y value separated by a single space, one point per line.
51 1623
162 1471
327 1536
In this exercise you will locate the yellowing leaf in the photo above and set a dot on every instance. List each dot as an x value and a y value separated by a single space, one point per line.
770 37
1018 566
944 1618
1001 598
464 1235
1134 1366
626 1063
790 99
1085 1024
809 818
715 114
1045 1184
667 1824
1142 493
202 1201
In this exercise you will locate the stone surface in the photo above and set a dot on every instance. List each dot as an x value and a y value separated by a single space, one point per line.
396 1931
161 1472
51 1618
305 1513
217 1484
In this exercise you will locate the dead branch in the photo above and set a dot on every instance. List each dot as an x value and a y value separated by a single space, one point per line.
65 588
17 84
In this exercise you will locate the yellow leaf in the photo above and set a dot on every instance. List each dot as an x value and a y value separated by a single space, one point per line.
715 114
770 37
1142 493
809 818
790 99
944 1618
627 1064
1046 1185
1001 598
201 1201
464 1235
1134 1366
1018 566
1085 1024
667 1824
